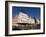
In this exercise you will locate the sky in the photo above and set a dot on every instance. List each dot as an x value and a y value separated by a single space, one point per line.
30 11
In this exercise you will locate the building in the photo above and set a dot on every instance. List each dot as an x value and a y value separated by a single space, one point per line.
24 21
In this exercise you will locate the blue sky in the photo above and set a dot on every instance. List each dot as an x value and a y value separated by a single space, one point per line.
30 11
